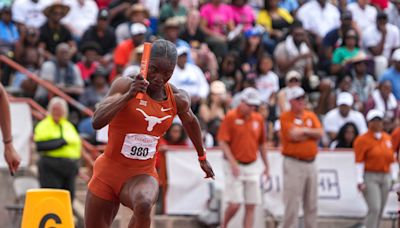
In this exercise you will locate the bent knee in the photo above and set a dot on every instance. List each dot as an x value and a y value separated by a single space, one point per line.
143 207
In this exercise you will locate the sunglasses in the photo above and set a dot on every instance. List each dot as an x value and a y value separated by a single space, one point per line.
299 98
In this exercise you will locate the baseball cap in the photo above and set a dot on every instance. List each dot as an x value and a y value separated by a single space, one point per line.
138 29
374 113
182 50
345 98
251 96
396 55
292 74
103 14
381 15
295 92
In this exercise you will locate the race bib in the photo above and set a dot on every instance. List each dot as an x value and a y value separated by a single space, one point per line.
139 146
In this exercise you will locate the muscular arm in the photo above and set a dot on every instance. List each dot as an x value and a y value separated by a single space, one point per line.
121 91
5 120
192 127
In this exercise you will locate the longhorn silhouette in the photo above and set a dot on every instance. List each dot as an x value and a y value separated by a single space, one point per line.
152 120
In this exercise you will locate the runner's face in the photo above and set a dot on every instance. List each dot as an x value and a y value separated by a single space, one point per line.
160 71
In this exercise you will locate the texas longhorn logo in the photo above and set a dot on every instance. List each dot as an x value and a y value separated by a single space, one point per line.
153 120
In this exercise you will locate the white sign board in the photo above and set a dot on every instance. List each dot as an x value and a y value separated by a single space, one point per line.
21 124
338 194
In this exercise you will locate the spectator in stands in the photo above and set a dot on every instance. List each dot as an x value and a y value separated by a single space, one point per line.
190 78
176 136
118 9
300 133
276 22
195 37
10 155
21 82
346 136
364 14
89 62
292 79
324 18
29 40
240 136
125 50
53 32
393 12
243 14
61 72
383 100
174 9
344 113
363 83
103 35
59 145
171 33
375 163
81 16
334 39
93 94
381 39
393 74
216 23
294 53
29 13
267 81
213 110
137 13
251 52
229 72
9 34
342 56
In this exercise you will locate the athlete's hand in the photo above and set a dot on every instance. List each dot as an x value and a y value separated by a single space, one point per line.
206 167
138 85
12 158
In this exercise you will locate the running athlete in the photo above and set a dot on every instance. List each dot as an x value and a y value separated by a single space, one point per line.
126 172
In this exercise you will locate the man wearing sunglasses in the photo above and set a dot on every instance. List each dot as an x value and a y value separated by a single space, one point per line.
300 133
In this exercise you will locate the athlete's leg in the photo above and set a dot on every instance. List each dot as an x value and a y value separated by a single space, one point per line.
99 213
140 194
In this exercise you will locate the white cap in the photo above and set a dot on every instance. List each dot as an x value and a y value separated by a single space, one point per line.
292 74
251 96
182 50
396 55
295 92
374 113
345 98
138 29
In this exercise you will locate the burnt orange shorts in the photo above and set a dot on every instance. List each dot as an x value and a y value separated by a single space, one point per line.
109 176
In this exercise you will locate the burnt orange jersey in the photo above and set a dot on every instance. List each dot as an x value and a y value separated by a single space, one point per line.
134 132
133 137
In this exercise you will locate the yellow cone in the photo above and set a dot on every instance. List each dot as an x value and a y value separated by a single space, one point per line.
45 208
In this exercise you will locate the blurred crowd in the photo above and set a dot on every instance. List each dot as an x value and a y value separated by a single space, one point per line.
344 54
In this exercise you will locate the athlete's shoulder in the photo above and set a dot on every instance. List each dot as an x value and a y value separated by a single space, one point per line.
182 98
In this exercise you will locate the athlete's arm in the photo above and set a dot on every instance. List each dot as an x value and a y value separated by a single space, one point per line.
192 127
10 155
122 90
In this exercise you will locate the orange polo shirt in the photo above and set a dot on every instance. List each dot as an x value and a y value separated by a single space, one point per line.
306 149
376 154
396 140
243 135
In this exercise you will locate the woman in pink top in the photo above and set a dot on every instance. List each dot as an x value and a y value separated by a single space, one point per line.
242 14
217 22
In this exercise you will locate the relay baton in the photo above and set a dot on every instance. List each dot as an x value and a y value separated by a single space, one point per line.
144 65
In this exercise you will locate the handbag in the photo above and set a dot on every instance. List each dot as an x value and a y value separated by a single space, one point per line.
52 144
